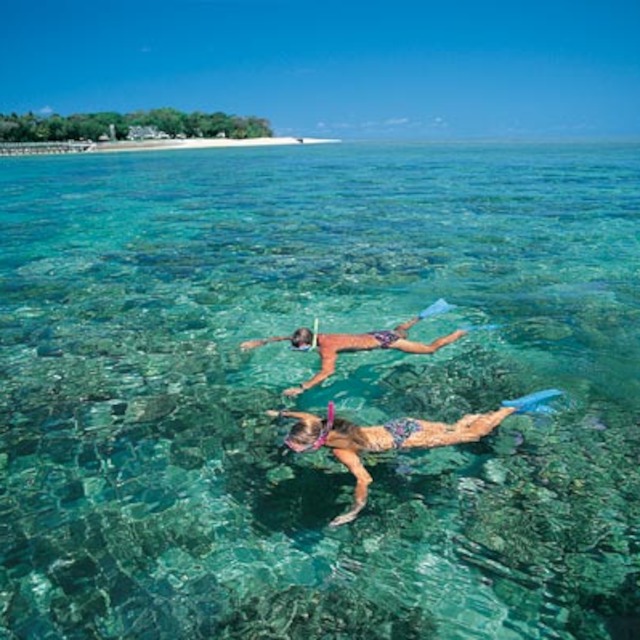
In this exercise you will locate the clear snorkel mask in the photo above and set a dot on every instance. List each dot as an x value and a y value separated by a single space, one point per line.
314 340
321 439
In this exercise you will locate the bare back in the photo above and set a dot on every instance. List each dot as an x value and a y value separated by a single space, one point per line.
335 342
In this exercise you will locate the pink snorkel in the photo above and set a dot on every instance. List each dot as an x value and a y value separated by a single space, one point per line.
324 434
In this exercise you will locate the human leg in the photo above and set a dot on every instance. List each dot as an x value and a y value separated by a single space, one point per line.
439 306
470 428
408 346
403 329
473 427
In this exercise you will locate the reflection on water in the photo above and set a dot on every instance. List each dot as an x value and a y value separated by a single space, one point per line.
144 492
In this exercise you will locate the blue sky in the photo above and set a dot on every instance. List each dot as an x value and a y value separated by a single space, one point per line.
404 69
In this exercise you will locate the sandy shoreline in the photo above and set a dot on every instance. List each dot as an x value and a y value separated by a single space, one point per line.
202 143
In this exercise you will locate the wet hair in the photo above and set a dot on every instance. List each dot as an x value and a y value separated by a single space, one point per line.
306 432
302 337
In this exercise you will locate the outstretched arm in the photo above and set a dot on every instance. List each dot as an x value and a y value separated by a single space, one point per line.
328 369
351 460
252 344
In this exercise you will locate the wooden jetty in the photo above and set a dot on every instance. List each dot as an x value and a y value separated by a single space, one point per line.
39 148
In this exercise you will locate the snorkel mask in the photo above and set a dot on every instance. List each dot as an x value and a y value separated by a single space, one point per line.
314 340
322 437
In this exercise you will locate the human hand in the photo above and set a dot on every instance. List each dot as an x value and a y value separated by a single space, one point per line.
251 344
293 391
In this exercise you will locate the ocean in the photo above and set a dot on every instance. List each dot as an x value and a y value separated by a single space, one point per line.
146 494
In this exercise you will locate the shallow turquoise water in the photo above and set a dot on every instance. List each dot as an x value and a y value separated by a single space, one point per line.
145 495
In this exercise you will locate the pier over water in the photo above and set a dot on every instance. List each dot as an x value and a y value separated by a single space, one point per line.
38 148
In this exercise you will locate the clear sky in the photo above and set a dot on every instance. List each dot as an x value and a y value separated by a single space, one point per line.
336 68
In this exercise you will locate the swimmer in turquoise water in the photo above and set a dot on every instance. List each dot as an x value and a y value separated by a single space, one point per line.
348 441
330 344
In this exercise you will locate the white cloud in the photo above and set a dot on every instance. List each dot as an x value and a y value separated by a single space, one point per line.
392 126
337 125
389 124
438 123
394 122
46 111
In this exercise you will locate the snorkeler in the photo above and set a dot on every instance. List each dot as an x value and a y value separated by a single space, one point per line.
330 344
348 440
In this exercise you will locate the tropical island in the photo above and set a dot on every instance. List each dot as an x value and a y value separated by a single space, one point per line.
165 128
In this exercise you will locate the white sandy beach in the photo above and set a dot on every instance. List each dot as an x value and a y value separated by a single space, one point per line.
203 143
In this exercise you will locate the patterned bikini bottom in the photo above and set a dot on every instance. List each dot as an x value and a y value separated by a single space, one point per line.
385 338
401 429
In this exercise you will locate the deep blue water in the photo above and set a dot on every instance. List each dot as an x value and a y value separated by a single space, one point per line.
145 494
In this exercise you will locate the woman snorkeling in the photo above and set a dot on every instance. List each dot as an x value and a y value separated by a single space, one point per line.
348 440
329 345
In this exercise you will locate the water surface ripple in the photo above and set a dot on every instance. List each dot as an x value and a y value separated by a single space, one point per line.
144 493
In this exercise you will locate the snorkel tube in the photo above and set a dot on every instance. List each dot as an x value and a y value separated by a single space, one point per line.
324 434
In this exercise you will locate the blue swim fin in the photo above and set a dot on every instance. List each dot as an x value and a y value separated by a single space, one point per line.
534 402
439 306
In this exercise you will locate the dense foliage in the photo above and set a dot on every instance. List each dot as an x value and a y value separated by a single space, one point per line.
91 126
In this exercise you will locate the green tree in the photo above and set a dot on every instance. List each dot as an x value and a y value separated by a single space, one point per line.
9 129
138 119
58 129
258 127
91 126
216 124
170 121
195 124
